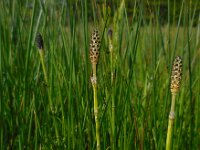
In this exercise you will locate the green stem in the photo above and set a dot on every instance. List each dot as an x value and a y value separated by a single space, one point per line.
41 53
171 122
96 114
113 121
113 99
111 60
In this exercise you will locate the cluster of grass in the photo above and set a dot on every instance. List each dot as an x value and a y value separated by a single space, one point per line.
55 111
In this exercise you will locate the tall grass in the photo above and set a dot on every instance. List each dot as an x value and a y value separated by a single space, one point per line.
133 82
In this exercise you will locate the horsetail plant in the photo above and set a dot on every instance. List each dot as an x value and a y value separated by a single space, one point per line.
94 56
110 33
174 87
40 45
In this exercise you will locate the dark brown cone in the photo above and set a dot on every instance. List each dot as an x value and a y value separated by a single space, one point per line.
39 41
94 47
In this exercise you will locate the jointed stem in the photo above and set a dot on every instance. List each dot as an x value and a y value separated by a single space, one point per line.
171 122
41 53
113 99
96 114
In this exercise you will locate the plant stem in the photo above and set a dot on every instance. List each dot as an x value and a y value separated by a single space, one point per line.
41 53
113 99
171 122
96 114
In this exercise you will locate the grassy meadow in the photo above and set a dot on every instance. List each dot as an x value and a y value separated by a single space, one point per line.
133 75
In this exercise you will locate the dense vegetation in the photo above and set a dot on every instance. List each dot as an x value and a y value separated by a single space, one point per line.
133 79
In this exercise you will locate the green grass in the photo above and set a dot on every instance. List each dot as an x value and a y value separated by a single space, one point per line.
141 62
